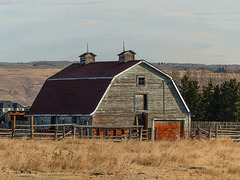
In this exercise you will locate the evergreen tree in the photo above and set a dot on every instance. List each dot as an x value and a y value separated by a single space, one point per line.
191 94
208 103
229 100
216 104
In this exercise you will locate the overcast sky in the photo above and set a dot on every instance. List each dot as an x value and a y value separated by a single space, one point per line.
181 31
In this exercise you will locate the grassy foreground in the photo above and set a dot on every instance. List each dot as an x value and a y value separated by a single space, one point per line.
98 159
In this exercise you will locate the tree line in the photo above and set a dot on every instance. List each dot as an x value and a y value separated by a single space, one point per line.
212 102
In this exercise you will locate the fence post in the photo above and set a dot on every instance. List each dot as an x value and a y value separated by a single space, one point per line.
141 133
107 132
87 131
56 132
156 134
197 132
210 132
130 134
32 127
63 133
152 133
104 133
216 131
14 126
81 132
74 131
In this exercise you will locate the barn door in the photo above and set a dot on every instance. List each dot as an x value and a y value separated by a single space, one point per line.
168 129
142 119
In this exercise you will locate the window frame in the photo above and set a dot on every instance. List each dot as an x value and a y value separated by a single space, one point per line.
141 81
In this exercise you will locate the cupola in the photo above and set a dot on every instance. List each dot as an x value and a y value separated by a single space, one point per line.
126 56
87 58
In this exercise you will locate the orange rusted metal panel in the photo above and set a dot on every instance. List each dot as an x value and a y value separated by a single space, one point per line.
16 113
168 130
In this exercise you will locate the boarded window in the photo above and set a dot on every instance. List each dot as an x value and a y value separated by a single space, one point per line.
141 102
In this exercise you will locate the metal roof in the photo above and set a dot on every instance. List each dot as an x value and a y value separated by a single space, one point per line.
76 89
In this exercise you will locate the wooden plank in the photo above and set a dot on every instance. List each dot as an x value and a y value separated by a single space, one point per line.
210 133
141 135
56 133
130 134
14 126
216 131
81 132
32 127
228 131
63 132
74 132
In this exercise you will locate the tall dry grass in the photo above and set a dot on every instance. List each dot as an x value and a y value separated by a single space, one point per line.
210 158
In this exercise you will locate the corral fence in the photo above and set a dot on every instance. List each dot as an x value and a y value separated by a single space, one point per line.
211 129
61 131
199 130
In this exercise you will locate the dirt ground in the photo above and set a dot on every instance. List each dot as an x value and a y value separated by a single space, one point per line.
165 173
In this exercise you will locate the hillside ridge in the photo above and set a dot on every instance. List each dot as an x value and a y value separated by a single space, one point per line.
218 68
22 82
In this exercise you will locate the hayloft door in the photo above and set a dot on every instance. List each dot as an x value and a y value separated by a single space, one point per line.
141 102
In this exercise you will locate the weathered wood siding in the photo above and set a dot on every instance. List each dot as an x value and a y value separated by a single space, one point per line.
118 106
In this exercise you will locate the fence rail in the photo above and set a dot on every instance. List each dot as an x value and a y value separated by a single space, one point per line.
199 130
216 130
60 131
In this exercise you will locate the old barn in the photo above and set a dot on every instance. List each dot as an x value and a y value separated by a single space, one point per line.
125 92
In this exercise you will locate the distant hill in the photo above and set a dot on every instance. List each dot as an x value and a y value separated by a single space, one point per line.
188 66
37 64
21 82
167 66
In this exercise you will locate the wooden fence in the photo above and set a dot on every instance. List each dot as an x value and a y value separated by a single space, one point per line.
60 131
117 133
208 129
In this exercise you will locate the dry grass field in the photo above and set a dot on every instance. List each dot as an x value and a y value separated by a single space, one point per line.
99 159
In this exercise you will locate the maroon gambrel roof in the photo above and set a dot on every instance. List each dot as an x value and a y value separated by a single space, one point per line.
97 69
76 89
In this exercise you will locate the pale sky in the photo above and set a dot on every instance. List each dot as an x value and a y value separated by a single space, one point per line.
180 31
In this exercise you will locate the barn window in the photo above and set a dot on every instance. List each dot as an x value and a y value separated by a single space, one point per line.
141 102
141 80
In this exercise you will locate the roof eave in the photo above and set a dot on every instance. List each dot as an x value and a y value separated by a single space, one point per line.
62 115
